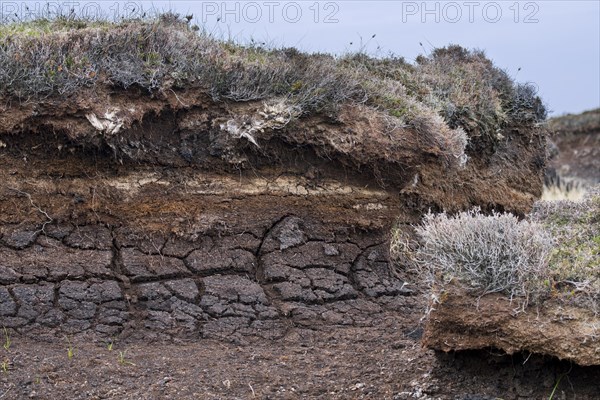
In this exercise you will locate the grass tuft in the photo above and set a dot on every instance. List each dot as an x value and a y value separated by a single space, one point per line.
70 350
122 358
7 340
575 261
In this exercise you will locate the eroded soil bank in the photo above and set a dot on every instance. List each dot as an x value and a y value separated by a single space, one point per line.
130 216
228 269
151 252
575 151
461 321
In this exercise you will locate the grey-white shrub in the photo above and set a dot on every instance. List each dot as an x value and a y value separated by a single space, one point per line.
485 253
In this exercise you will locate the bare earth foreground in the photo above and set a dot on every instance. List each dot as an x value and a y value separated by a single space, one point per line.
340 363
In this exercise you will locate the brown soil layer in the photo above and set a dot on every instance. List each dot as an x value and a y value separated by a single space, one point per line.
460 321
358 146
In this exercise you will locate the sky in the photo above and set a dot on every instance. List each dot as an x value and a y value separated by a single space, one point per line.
552 44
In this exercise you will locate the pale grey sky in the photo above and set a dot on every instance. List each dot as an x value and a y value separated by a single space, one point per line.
556 44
